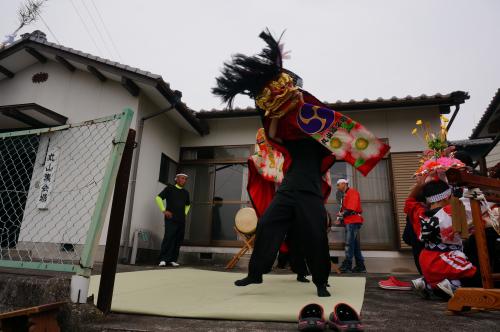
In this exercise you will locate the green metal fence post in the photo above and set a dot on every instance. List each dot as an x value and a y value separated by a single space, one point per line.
97 220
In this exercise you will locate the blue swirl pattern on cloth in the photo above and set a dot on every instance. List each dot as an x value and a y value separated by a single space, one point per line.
313 119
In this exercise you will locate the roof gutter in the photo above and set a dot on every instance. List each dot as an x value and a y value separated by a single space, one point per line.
174 97
455 112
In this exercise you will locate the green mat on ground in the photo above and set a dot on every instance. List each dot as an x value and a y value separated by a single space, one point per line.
186 292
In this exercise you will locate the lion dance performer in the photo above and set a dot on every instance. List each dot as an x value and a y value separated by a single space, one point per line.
310 137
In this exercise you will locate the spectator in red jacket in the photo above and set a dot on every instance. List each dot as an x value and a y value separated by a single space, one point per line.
350 216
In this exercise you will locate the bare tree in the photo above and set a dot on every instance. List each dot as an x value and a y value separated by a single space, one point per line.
27 13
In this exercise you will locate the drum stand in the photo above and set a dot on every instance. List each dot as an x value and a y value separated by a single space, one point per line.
248 245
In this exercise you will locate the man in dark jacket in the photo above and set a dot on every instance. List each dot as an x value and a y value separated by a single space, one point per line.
175 212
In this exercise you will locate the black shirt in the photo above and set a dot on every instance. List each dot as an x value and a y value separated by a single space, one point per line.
177 199
304 173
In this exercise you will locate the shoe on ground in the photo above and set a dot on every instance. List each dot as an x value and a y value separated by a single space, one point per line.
312 318
447 288
394 284
345 318
359 269
345 267
162 263
174 264
420 287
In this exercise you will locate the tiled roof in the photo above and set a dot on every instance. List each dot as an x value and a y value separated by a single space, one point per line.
156 81
34 38
495 102
470 142
444 101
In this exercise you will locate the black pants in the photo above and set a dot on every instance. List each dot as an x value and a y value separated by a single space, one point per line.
416 249
300 211
171 244
294 257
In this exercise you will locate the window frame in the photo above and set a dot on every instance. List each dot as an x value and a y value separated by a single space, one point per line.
169 162
215 162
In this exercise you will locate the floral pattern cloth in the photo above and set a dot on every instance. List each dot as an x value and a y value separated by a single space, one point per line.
268 161
345 138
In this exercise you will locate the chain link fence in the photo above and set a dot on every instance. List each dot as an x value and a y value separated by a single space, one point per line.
55 186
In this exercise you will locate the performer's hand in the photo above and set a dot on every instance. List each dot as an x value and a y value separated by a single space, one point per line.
168 214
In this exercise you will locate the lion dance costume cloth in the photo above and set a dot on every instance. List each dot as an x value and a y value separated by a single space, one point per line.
309 137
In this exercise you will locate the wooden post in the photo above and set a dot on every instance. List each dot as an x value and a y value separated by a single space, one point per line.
482 248
486 297
483 169
115 227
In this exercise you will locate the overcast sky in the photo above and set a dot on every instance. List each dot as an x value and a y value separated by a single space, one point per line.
342 49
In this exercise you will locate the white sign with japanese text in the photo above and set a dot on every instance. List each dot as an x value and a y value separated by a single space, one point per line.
47 181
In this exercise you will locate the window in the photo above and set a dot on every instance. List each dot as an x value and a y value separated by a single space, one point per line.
168 168
229 195
217 184
378 230
216 154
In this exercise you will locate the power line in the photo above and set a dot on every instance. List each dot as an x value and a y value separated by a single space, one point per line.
50 30
106 30
97 28
85 26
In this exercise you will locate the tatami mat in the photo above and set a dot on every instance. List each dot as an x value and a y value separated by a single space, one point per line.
186 292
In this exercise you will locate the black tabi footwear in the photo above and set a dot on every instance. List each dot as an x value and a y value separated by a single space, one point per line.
248 280
301 278
322 291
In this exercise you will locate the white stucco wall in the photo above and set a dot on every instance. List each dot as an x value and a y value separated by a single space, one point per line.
160 135
493 157
396 125
77 95
229 131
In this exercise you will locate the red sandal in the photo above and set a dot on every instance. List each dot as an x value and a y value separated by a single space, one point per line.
394 284
344 318
312 318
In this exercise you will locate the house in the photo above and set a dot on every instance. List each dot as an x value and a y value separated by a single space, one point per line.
43 84
488 129
210 146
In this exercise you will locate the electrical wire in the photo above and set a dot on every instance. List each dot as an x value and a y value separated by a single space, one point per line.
85 26
97 28
49 29
106 30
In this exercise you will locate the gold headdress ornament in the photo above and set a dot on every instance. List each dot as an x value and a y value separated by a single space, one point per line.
276 94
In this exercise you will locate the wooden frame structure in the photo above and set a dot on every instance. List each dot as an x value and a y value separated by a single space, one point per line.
248 241
487 297
42 318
